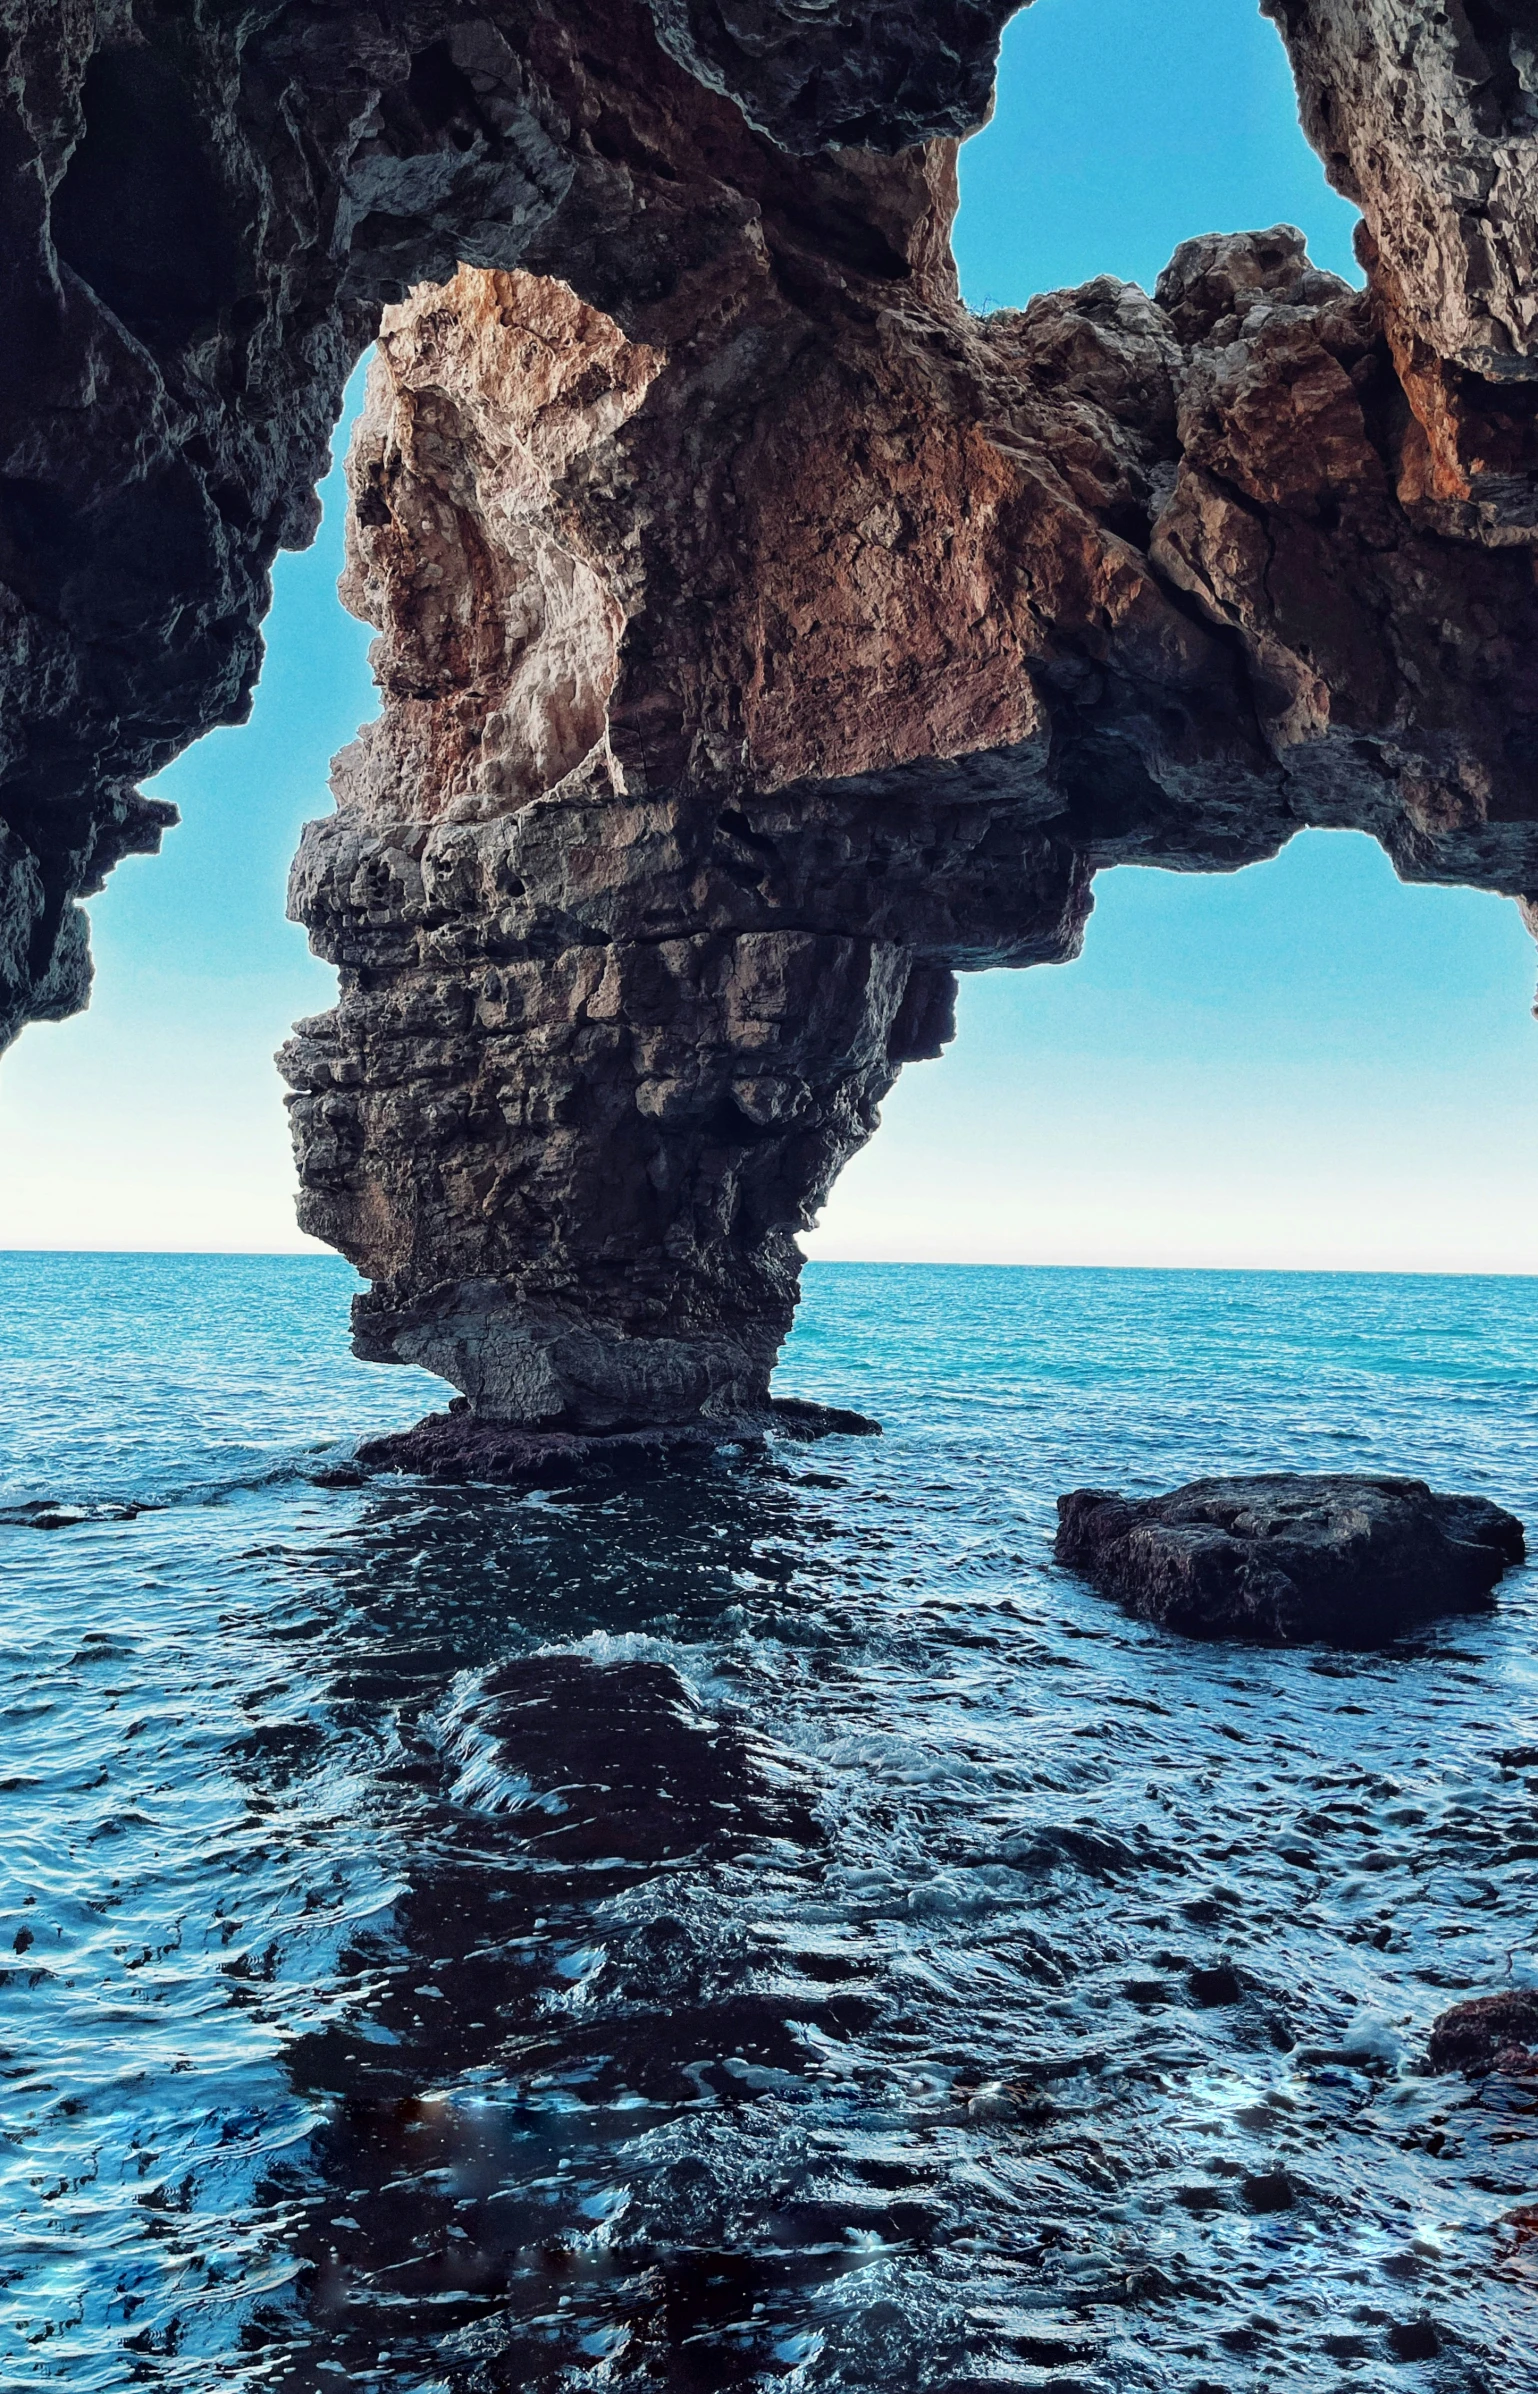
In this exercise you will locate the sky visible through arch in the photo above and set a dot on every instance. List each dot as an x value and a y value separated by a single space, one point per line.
1304 1064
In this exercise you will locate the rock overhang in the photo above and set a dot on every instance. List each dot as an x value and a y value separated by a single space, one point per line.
763 638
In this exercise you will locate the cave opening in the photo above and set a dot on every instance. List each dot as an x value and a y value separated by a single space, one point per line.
1306 1065
612 1883
588 1882
169 1073
1310 1064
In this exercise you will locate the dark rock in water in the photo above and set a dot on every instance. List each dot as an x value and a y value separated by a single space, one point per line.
800 1417
618 1760
458 1445
44 1513
1414 2340
1214 1988
1473 2036
1290 1556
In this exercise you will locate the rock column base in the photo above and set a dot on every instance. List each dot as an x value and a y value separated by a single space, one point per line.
459 1446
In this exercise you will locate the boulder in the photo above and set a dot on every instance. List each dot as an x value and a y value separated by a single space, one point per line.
1477 2036
1290 1556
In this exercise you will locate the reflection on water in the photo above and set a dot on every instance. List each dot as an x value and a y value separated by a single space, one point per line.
765 1926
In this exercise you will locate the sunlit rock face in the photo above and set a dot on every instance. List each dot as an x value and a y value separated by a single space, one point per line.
1426 114
763 639
747 674
202 208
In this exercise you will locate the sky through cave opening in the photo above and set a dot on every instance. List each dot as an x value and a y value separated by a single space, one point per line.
1305 1064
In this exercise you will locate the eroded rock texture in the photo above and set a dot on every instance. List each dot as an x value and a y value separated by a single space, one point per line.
748 674
1488 2032
762 639
1426 114
203 204
1296 1555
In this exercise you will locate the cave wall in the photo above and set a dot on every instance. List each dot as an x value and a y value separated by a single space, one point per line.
743 682
202 207
763 639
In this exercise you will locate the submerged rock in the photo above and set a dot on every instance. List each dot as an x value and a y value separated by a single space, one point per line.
1477 2036
1290 1556
599 1760
47 1513
458 1445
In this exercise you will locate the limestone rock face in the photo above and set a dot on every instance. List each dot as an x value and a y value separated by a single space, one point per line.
1291 1556
831 74
747 674
762 638
1426 114
203 206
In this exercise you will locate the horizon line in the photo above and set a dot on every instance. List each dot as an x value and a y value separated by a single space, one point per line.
870 1263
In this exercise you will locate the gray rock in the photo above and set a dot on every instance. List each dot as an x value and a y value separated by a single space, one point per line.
1345 1560
877 74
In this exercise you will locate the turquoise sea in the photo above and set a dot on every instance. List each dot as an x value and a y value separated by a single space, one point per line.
759 1925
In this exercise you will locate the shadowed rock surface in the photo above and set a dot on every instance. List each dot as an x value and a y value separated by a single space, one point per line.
1345 1560
763 639
1474 2036
460 1446
1425 113
202 210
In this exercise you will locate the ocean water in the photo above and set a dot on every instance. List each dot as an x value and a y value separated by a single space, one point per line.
761 1925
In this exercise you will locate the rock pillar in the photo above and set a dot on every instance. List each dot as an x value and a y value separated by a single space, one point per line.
748 673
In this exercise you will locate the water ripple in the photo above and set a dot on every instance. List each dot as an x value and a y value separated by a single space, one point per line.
765 1926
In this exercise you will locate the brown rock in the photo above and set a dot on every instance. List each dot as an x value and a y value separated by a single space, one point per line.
1425 114
744 680
202 210
1475 2036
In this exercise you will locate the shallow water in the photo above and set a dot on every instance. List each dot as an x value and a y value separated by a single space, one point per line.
761 1926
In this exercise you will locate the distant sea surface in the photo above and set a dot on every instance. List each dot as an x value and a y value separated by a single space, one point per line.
761 1925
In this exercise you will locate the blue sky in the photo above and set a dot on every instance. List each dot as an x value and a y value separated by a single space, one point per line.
1122 127
1302 1064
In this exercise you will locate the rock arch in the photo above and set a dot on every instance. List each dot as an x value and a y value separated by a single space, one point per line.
763 638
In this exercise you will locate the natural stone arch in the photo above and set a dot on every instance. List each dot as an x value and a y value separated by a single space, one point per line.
908 622
796 641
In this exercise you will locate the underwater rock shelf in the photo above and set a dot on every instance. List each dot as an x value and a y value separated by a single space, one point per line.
459 1446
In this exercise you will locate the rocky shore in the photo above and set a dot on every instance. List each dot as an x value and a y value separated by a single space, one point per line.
459 1446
